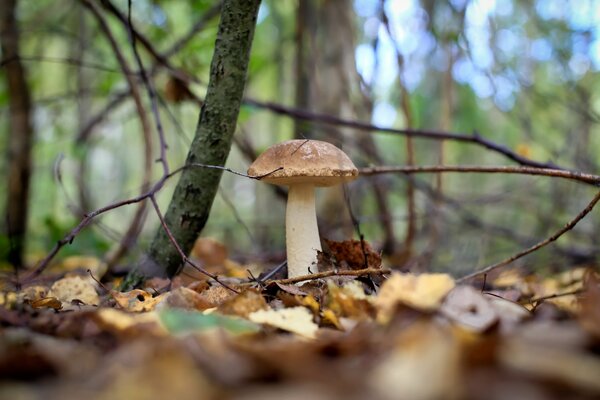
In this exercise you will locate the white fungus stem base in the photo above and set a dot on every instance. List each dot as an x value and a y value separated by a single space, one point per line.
301 230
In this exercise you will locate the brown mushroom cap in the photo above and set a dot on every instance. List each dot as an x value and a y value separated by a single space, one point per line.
304 161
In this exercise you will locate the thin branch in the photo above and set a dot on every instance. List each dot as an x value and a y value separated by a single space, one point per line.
178 248
552 172
256 177
326 274
474 138
537 246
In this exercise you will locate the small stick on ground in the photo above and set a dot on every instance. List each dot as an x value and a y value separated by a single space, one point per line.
326 274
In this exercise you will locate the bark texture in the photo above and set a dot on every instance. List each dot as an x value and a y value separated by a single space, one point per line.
193 197
21 134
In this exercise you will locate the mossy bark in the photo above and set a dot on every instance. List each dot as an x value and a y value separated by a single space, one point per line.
193 197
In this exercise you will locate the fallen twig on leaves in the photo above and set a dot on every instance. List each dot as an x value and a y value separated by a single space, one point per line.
335 272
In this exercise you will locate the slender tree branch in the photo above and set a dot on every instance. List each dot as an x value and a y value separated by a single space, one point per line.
184 258
537 246
474 138
552 172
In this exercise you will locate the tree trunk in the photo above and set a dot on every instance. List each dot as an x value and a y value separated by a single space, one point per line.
193 197
21 135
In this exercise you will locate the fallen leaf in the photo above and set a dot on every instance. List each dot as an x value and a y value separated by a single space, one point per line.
297 320
136 300
469 308
124 323
350 301
423 292
177 321
348 254
292 289
75 288
185 298
47 302
243 304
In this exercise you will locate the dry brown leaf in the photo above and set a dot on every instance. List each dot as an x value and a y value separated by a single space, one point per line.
75 288
243 304
185 298
423 292
297 320
215 295
350 301
469 308
47 302
348 254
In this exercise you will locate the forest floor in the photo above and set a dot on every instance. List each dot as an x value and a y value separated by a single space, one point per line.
375 336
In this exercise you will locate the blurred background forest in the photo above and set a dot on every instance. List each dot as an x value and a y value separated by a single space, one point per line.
520 73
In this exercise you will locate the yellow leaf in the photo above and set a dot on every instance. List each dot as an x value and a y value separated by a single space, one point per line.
297 320
47 302
136 300
75 288
423 292
117 321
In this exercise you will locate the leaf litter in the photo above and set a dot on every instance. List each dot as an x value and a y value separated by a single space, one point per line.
399 336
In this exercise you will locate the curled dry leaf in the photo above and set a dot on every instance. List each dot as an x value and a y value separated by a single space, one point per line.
47 302
75 288
423 292
469 308
297 320
350 301
348 254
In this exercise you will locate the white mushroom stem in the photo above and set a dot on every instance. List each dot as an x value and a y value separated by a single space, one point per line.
301 231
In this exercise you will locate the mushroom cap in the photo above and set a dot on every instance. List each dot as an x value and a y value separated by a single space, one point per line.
304 161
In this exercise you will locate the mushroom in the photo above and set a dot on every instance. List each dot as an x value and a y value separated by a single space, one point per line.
303 165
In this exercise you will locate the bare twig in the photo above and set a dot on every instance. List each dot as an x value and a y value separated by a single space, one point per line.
536 300
326 274
552 172
474 138
184 258
538 245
